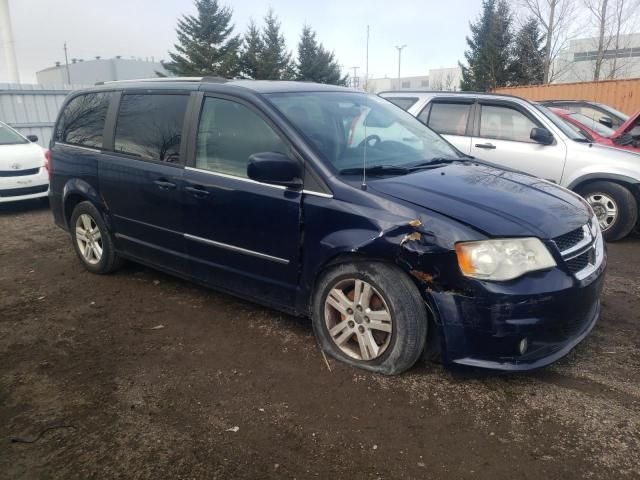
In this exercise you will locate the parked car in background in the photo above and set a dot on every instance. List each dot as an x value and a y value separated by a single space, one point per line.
517 134
598 112
626 137
23 167
277 192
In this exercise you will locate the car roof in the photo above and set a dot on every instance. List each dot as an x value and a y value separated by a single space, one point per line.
219 84
562 111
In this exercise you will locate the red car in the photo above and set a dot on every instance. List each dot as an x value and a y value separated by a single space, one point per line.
626 137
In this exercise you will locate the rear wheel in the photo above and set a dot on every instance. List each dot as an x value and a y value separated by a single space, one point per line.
615 207
370 315
92 241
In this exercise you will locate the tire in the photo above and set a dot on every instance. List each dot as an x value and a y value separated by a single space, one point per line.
86 218
603 194
394 304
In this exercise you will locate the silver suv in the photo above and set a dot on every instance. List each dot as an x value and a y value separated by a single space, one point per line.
525 136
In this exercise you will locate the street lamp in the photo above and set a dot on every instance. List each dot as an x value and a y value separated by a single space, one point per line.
399 47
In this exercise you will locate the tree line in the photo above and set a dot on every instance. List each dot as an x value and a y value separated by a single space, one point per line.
207 46
519 43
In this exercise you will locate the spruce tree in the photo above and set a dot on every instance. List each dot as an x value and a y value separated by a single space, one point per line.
275 60
251 52
315 64
528 54
489 54
206 45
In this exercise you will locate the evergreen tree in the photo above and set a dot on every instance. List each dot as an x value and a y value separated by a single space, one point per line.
250 56
275 60
205 45
490 45
315 64
528 54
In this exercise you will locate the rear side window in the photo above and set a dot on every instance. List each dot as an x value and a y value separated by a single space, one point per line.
150 126
82 121
229 133
449 118
505 123
404 103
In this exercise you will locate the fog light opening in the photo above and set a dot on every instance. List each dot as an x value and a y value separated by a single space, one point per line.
523 346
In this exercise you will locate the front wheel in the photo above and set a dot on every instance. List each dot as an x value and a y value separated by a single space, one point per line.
370 315
615 207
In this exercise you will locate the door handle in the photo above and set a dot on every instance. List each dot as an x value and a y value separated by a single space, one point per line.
197 192
164 184
487 146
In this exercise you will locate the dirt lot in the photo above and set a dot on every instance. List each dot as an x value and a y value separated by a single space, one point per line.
228 389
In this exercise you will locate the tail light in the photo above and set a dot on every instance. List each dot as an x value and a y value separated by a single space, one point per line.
47 162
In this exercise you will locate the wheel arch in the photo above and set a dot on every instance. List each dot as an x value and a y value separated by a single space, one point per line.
76 191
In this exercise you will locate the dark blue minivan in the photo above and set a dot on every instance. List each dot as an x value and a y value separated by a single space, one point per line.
325 202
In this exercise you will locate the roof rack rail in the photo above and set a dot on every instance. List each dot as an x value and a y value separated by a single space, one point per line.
215 79
154 79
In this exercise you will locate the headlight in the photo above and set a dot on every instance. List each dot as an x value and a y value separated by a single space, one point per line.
503 259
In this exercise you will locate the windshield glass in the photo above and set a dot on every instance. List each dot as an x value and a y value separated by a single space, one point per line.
8 136
346 128
591 124
561 124
623 116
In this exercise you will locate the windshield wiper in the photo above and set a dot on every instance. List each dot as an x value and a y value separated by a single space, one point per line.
377 170
431 163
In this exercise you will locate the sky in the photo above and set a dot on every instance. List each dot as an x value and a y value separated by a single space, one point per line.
433 30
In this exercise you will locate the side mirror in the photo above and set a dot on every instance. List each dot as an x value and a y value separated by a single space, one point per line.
606 121
275 168
32 138
541 135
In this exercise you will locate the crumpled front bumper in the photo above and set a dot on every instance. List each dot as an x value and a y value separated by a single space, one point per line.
552 310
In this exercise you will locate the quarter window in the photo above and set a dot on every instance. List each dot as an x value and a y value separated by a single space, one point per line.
229 133
404 103
150 126
449 118
82 121
505 123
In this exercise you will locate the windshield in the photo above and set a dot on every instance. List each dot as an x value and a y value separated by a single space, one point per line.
591 124
9 136
561 124
623 116
348 128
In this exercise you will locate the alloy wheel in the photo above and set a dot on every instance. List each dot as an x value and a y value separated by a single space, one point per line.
358 319
605 209
89 239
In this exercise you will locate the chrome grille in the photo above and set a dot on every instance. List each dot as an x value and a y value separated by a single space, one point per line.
571 239
582 249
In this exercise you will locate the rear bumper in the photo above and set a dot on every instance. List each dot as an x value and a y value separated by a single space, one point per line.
13 189
485 330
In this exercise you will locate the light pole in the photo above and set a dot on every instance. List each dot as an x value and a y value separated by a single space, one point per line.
7 39
399 47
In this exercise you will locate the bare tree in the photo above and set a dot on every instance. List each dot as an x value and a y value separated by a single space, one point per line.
625 20
557 20
598 10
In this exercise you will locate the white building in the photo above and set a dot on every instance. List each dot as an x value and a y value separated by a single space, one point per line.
90 72
438 79
577 62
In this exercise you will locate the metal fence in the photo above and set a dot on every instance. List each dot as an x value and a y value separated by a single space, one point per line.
32 109
623 95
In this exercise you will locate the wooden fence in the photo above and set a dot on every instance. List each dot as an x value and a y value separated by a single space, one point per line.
623 95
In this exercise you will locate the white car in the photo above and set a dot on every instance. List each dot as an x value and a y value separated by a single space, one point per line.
23 167
520 135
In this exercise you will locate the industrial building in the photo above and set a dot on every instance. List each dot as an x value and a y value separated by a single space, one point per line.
438 79
577 62
89 72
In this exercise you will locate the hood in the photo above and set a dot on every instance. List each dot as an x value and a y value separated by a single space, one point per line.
22 156
630 126
496 202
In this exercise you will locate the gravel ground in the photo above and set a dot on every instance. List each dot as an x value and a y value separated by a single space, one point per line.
155 377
